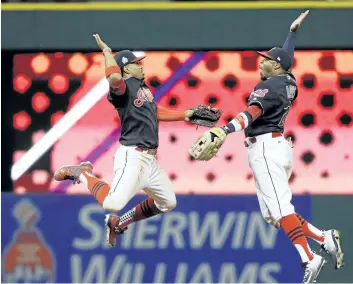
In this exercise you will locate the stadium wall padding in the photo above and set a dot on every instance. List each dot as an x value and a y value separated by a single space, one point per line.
163 29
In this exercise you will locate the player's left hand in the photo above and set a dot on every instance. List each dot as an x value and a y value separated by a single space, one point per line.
101 44
296 24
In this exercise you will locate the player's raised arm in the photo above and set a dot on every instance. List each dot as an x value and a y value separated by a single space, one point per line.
112 70
289 44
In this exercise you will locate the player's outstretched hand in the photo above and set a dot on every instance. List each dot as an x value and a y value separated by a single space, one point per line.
101 44
296 24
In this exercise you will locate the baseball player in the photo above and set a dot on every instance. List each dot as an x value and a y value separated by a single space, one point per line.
270 154
135 163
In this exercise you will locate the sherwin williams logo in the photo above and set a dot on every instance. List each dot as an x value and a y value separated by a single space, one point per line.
28 257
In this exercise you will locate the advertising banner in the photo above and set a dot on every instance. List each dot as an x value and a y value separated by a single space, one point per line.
60 238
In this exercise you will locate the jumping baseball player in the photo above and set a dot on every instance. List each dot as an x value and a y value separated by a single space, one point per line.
270 154
135 163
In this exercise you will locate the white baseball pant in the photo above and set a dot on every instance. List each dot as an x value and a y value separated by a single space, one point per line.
271 160
135 171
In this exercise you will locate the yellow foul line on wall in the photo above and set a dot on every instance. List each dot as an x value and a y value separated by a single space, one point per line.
173 5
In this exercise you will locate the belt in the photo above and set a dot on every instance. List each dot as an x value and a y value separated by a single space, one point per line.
253 140
148 151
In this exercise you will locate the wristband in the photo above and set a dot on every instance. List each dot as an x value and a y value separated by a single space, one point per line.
226 129
106 49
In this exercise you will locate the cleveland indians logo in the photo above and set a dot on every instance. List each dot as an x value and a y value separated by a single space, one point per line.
143 94
28 259
260 92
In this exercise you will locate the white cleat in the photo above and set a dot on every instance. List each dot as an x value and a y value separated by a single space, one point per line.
332 247
313 268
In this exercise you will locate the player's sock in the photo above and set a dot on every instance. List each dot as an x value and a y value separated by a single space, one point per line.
98 188
293 228
311 231
144 210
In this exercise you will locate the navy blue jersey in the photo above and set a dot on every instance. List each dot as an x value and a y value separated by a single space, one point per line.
275 97
138 114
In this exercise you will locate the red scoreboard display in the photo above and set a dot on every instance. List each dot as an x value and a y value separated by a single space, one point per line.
47 86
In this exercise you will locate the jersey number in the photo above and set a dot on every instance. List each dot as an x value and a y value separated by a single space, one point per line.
284 116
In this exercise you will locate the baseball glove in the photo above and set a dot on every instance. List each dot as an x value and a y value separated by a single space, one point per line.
204 115
207 145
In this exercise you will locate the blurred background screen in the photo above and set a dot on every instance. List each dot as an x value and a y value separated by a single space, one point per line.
47 85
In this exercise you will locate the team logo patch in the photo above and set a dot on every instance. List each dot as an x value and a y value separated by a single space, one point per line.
143 95
124 60
260 92
28 259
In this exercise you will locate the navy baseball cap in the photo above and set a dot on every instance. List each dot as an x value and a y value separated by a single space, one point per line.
125 57
279 55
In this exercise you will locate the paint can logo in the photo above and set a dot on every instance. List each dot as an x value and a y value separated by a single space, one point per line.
28 259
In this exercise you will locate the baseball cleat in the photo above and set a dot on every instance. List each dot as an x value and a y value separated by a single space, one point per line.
72 172
112 229
332 247
313 268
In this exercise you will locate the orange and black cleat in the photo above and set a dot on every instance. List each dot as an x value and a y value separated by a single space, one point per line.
73 172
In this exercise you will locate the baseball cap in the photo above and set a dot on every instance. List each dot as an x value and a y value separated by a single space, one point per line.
125 57
279 55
